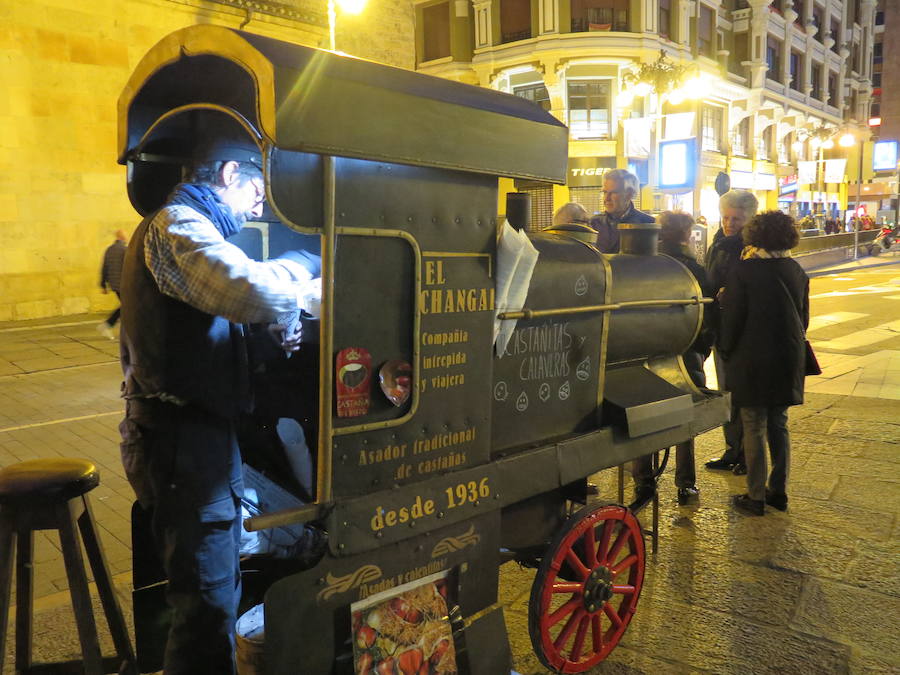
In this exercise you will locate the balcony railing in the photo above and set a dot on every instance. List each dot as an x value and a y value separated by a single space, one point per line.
584 25
515 36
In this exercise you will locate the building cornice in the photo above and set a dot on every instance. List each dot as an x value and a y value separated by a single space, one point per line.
302 11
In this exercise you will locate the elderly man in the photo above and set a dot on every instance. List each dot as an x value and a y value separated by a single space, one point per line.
185 293
737 208
619 189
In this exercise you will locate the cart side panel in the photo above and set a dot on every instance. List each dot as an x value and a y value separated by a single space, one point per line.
309 628
414 281
546 381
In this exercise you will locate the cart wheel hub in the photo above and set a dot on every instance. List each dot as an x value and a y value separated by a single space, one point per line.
597 589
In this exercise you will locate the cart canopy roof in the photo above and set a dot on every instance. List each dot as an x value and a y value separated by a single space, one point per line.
315 101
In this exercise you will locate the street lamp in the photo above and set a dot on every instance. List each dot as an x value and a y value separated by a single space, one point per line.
348 7
820 138
848 140
666 81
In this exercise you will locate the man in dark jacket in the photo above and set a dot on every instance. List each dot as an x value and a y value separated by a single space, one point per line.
674 241
185 293
619 189
111 278
736 208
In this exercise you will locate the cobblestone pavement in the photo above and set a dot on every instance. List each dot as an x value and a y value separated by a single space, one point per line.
813 590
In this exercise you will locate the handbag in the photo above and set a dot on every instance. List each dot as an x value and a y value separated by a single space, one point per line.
811 363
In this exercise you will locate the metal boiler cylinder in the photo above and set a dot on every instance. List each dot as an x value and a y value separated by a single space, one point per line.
638 274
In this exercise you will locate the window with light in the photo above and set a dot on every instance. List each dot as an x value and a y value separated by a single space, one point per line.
589 108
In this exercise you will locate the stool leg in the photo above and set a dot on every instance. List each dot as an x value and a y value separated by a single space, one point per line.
78 587
24 598
7 547
102 578
655 532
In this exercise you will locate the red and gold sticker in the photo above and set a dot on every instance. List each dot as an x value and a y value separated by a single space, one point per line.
354 376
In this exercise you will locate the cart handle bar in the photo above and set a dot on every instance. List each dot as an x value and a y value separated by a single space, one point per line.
301 514
538 313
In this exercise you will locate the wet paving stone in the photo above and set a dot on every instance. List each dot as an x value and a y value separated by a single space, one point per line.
754 591
723 643
873 430
853 616
876 566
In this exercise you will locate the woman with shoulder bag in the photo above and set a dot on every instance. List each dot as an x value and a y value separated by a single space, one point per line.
765 312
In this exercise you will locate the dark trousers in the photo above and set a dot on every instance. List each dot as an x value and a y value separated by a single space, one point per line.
685 475
114 317
185 463
685 472
761 424
732 429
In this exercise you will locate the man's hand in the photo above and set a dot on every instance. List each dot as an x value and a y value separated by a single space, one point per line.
287 332
289 343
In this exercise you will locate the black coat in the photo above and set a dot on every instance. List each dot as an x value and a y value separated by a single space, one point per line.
723 254
704 342
762 332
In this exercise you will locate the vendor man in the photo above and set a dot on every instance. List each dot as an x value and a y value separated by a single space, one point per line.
185 293
620 187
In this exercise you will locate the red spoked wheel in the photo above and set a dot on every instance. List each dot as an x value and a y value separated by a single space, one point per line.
586 589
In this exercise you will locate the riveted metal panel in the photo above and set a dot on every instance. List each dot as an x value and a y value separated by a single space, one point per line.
546 381
322 596
415 281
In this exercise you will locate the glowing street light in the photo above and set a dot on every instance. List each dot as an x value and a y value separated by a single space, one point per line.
667 81
347 7
821 139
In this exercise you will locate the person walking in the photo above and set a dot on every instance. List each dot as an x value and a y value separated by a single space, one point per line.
765 313
736 208
111 279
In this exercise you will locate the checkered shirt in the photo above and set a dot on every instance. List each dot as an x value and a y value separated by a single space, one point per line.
192 262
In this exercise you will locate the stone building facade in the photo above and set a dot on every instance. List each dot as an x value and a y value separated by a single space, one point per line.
63 65
772 78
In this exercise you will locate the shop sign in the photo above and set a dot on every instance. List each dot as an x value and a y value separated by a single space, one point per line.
588 171
713 159
742 180
885 156
787 184
677 165
764 181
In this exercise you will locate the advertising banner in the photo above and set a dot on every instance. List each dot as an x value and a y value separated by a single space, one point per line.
835 170
806 172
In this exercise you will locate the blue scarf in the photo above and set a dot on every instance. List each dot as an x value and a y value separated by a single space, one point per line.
204 200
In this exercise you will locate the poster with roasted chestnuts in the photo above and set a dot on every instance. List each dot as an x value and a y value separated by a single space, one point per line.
405 630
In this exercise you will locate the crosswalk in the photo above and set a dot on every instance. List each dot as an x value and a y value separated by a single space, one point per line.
875 375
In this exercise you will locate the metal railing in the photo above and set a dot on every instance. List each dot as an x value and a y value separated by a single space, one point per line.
828 241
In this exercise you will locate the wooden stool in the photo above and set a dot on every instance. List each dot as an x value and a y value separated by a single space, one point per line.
45 494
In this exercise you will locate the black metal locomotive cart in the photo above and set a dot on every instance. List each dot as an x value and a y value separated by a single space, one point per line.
391 177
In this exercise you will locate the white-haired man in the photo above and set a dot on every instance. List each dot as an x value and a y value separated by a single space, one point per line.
737 208
620 187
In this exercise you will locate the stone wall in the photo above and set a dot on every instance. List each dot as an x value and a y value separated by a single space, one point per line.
62 66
